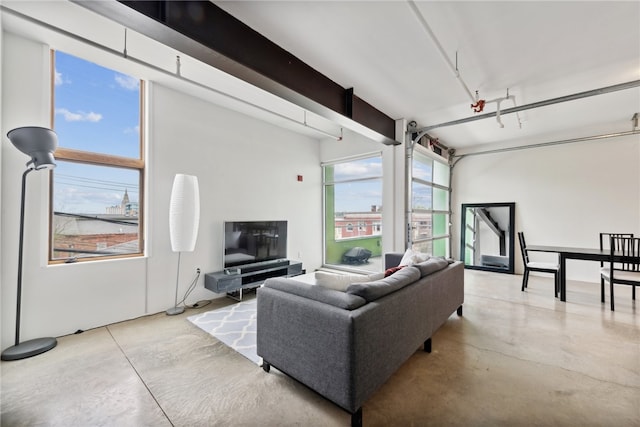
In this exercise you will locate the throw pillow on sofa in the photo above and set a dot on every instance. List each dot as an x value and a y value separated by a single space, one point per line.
389 271
340 282
411 257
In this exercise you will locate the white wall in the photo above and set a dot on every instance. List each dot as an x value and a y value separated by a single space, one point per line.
1 151
247 169
565 195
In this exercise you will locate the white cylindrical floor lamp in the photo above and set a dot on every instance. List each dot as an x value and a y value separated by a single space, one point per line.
38 143
184 218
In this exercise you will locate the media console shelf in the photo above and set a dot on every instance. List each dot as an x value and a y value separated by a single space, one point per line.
236 279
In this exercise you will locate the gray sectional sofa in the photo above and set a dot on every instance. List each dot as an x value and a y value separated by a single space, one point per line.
345 345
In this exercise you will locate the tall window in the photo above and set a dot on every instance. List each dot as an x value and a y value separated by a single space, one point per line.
96 199
429 205
353 213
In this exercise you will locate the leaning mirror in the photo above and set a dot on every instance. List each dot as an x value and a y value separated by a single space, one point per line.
486 238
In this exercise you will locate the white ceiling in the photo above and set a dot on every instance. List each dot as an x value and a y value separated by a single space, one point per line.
535 50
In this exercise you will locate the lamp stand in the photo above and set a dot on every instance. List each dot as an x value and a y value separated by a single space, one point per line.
38 345
175 309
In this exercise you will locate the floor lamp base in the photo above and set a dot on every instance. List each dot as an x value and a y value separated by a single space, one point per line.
29 348
175 310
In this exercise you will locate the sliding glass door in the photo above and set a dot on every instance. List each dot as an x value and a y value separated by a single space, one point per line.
353 213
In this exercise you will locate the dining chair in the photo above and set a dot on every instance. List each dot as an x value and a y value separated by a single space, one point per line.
605 240
623 273
541 267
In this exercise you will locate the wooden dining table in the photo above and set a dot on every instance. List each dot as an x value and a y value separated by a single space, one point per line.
585 254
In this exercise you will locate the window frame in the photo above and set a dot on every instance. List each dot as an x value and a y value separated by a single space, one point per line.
100 159
326 182
446 237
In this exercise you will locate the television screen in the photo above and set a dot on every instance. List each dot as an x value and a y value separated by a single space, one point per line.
248 242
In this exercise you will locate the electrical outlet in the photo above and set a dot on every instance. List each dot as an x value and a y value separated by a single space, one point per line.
198 270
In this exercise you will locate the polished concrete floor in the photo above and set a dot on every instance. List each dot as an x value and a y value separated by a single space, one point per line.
513 359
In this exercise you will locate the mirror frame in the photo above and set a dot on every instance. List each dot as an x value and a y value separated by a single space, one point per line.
511 239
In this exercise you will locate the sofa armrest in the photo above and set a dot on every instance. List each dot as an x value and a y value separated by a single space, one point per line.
309 340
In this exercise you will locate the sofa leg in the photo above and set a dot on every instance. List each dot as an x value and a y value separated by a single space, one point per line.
459 311
266 366
356 418
427 346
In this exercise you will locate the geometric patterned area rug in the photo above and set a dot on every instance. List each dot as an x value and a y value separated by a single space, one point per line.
234 325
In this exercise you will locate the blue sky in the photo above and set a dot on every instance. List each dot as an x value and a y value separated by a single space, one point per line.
98 110
358 196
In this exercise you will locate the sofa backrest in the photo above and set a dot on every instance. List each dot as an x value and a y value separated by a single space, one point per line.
318 293
371 291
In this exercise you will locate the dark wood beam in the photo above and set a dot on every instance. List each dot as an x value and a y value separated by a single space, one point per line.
208 33
372 118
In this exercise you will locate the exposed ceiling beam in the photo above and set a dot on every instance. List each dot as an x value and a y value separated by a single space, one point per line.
207 33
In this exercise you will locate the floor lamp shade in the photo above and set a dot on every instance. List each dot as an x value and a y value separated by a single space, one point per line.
37 142
184 213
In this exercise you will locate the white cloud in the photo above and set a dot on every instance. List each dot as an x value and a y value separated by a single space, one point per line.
134 130
58 78
358 170
127 82
422 174
85 201
79 116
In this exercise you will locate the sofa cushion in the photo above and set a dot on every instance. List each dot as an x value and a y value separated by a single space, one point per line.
432 265
411 257
371 291
340 282
317 293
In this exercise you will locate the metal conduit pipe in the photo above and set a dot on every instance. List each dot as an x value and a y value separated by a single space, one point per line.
176 75
548 144
580 95
431 34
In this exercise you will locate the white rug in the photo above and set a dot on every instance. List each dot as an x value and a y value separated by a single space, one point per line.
234 325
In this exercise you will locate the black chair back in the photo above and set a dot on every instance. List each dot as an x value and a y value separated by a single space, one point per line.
626 246
523 248
629 248
606 239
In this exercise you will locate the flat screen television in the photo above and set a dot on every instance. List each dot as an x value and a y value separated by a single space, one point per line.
249 242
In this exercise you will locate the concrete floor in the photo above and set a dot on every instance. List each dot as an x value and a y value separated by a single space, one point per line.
514 359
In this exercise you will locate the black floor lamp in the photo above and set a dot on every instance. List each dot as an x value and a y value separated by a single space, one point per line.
38 143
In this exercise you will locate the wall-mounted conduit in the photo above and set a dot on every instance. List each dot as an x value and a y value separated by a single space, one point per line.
601 91
178 74
547 144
